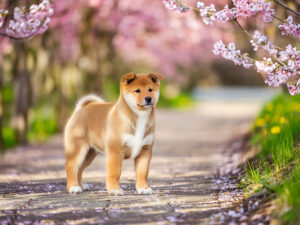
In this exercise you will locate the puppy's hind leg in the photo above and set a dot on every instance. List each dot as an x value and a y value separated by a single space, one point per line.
74 161
88 160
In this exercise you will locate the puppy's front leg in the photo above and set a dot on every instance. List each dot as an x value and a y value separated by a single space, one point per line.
113 169
142 162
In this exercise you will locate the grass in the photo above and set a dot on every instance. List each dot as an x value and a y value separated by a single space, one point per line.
172 97
289 193
42 125
277 167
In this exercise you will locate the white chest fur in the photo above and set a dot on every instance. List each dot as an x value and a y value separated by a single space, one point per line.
137 141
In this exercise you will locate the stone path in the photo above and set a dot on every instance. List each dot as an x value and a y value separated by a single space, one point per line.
190 147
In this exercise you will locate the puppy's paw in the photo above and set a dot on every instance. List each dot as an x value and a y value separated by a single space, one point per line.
116 192
75 190
85 187
144 191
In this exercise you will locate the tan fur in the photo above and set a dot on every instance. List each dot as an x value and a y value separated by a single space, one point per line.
113 128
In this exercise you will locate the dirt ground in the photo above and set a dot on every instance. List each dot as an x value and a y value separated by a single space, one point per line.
190 149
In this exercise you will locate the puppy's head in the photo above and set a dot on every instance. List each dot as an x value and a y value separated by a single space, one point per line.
140 91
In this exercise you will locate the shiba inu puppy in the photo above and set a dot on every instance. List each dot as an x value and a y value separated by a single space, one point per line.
124 129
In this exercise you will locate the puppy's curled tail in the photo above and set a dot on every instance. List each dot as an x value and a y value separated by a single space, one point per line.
87 100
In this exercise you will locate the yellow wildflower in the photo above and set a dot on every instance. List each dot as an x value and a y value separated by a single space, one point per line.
275 130
282 120
265 132
260 122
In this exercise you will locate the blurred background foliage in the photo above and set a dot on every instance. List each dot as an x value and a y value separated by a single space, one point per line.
90 44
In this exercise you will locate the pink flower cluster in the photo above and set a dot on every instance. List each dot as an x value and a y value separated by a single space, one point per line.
290 55
26 24
290 28
248 8
243 8
261 40
231 53
275 73
294 87
207 13
3 14
176 5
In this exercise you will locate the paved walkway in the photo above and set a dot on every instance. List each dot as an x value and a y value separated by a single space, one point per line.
190 147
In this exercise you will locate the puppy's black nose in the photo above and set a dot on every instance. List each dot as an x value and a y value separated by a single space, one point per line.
148 99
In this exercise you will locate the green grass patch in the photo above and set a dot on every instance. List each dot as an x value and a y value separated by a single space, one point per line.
277 167
172 96
9 137
43 123
289 193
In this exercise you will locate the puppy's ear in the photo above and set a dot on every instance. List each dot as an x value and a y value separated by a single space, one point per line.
128 78
155 77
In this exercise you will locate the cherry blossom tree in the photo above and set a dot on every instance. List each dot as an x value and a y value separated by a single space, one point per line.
136 33
21 23
282 64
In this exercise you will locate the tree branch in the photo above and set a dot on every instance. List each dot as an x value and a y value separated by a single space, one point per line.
15 38
251 38
286 7
277 18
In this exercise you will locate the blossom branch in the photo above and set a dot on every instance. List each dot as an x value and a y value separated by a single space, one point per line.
15 37
290 28
283 65
258 44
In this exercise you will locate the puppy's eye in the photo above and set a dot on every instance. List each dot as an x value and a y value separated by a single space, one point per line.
150 90
137 91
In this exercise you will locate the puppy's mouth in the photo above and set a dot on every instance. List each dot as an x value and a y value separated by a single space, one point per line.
146 106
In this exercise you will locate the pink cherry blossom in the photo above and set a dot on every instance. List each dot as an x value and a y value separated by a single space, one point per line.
242 8
290 28
207 13
294 87
292 56
275 74
231 53
176 5
261 40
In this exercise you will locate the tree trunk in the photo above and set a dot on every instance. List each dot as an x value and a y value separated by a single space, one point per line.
63 111
1 113
22 93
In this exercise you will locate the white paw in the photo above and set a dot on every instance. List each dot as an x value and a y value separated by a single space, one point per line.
85 187
144 191
75 190
116 192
